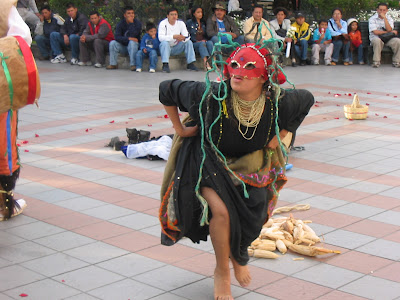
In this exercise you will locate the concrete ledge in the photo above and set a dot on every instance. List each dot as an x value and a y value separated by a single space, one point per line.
177 62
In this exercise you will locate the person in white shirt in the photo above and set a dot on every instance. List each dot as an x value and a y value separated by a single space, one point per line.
379 24
175 39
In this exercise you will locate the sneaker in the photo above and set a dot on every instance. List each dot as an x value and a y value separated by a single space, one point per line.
138 70
361 63
133 68
74 61
333 63
19 206
59 59
97 65
112 67
81 63
294 64
350 62
376 64
396 65
152 71
327 62
315 63
165 68
192 67
346 63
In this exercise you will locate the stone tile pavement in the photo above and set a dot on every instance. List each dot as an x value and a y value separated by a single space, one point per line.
91 231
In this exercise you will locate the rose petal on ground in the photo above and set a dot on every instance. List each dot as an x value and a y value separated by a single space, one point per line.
316 105
385 117
329 93
368 93
36 135
337 104
336 118
19 145
112 121
149 125
349 94
23 295
25 142
367 104
87 130
394 96
376 115
26 150
166 116
130 118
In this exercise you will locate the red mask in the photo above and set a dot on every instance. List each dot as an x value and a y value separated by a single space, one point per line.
249 61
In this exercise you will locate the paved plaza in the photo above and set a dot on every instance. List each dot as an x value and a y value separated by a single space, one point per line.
91 231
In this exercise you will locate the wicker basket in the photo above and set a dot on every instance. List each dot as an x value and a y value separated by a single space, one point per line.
355 111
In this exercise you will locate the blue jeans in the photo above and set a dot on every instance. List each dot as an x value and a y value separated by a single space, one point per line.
130 50
152 55
203 48
239 39
337 46
187 47
57 43
43 43
360 54
301 49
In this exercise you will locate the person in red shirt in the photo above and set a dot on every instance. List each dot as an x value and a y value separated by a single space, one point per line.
96 36
356 41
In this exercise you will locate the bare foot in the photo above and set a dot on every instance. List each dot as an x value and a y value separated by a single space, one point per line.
222 285
242 273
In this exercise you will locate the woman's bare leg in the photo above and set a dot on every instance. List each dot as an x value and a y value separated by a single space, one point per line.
220 237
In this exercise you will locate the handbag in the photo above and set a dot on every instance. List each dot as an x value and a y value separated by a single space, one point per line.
386 37
281 32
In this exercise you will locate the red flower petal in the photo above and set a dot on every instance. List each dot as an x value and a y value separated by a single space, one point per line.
350 119
316 105
112 121
337 104
166 116
368 93
336 118
180 114
387 94
25 142
36 135
376 115
329 93
394 96
87 130
149 125
349 94
19 145
130 118
23 295
63 280
367 104
384 117
26 150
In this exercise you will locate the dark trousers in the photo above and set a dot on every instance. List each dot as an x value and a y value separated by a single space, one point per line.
99 46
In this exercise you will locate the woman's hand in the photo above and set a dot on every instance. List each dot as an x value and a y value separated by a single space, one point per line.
274 142
184 131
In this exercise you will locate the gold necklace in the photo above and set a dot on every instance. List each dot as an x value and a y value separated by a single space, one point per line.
248 113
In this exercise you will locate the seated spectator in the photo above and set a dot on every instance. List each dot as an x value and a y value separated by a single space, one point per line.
127 38
175 39
48 24
97 36
301 36
197 30
322 42
220 22
250 27
149 47
279 26
356 41
340 37
381 23
68 36
28 11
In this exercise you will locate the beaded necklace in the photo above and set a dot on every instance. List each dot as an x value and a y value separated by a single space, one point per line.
248 113
224 114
